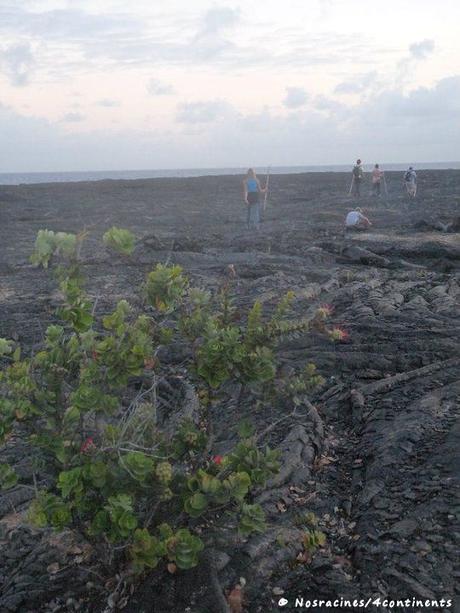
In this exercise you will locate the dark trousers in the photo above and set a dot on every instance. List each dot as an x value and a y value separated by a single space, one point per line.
357 187
376 188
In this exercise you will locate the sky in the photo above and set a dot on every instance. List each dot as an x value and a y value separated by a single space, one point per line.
115 85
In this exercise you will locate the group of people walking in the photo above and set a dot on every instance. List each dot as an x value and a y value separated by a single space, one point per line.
378 179
252 190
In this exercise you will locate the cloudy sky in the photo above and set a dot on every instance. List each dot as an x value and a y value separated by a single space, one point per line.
111 84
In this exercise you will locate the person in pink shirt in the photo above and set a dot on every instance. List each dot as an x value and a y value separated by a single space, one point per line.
377 176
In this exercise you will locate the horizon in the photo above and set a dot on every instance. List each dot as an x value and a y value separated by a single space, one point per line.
31 178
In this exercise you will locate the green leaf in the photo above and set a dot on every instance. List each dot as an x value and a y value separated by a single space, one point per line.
238 485
183 549
97 473
252 519
196 504
6 347
8 478
245 429
70 482
120 501
146 550
139 465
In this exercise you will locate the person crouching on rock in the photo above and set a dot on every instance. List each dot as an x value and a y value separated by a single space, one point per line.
377 176
355 220
252 190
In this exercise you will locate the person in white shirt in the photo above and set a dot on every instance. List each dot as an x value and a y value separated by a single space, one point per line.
356 220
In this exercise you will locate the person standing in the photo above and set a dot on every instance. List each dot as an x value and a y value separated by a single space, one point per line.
252 190
410 181
377 176
358 176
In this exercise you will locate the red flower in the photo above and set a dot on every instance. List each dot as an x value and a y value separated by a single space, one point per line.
87 445
218 459
324 311
338 334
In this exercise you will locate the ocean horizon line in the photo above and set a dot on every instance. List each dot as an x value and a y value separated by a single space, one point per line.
33 177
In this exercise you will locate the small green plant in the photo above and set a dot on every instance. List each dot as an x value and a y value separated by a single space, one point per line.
259 464
6 347
300 384
312 540
252 519
49 243
120 240
164 288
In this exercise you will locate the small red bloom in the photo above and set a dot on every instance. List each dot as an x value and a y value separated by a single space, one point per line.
218 459
338 334
324 311
87 445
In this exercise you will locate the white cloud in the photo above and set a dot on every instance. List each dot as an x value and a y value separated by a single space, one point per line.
201 112
73 39
17 62
357 85
423 125
108 102
295 97
219 18
73 118
422 49
156 87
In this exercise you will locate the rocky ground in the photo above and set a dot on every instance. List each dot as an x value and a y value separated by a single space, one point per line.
375 455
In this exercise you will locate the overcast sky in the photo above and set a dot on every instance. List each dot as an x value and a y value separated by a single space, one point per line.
111 84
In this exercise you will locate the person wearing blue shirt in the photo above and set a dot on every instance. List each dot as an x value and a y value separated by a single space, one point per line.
252 190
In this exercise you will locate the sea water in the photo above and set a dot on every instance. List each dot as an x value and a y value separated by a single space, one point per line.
16 178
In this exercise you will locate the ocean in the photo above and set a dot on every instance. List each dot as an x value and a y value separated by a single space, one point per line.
18 178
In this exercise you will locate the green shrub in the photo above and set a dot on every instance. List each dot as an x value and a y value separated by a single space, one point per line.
49 243
120 240
86 404
164 288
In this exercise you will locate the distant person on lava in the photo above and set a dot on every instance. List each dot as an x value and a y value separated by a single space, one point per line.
357 178
252 190
355 220
410 181
377 176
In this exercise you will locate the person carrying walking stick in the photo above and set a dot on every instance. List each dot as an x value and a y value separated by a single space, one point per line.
252 190
357 179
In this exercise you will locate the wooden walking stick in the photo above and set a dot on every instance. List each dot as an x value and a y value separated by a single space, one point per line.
351 186
385 185
266 189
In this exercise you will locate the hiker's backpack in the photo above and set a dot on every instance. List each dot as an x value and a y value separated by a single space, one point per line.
357 172
408 176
